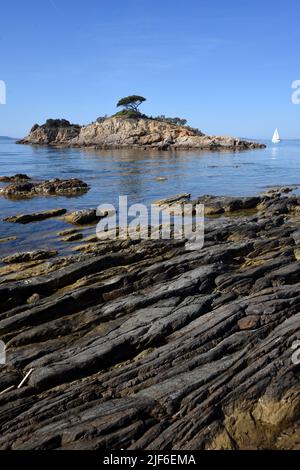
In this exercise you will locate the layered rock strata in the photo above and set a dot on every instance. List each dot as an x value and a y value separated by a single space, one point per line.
143 345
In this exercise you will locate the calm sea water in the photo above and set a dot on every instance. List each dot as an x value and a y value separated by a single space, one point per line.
134 173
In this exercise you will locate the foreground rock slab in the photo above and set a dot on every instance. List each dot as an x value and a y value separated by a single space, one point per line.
143 345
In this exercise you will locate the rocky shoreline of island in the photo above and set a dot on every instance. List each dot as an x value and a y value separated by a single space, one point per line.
140 344
123 132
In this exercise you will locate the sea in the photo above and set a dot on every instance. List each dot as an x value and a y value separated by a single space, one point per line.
142 176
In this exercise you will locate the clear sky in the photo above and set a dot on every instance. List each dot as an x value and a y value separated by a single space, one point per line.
226 66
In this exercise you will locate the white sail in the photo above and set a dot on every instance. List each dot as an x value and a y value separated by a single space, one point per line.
276 137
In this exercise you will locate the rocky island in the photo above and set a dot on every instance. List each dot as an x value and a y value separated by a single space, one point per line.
130 128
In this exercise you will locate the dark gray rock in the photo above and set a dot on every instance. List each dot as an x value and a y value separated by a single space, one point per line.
18 178
143 345
35 217
84 217
29 256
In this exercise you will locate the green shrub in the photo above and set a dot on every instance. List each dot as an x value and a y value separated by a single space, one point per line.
130 114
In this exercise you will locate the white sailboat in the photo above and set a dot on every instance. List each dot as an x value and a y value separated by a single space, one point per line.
276 137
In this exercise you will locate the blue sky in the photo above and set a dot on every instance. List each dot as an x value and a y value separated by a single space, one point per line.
226 66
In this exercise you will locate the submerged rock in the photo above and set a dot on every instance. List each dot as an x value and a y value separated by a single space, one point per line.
35 217
67 232
8 239
73 238
161 178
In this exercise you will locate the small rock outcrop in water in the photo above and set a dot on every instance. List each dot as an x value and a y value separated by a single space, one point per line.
143 345
56 186
84 217
8 239
73 238
18 178
120 132
54 131
35 217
